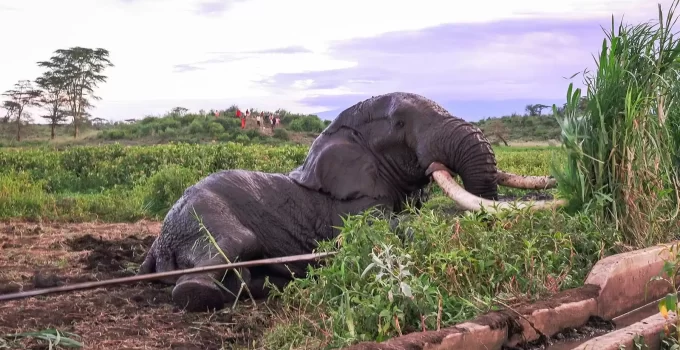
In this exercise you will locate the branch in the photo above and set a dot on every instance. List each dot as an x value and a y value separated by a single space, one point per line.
159 275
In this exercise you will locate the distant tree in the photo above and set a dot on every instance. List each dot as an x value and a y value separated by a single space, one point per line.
178 111
23 95
98 121
539 108
81 68
10 107
531 110
53 98
498 129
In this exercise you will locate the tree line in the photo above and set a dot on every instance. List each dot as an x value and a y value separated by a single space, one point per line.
64 90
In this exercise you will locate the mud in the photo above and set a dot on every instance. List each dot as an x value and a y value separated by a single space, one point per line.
112 256
567 338
139 316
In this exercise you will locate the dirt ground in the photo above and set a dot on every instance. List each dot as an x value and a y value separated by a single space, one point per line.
138 316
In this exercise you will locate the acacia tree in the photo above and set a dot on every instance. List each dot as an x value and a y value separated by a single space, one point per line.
539 108
179 111
81 68
53 98
23 95
497 128
10 108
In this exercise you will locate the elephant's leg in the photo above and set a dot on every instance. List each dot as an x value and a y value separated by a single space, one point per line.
200 292
260 289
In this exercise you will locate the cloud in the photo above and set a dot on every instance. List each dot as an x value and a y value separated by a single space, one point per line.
215 7
311 55
179 68
513 61
226 57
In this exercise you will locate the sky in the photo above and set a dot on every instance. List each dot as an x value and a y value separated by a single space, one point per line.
477 59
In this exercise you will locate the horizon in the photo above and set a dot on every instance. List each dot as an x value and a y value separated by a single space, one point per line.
309 59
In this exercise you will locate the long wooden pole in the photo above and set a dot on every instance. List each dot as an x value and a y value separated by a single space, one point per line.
159 275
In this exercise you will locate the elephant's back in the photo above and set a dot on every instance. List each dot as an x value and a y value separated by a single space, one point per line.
248 187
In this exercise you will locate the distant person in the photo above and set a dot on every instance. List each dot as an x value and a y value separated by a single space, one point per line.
259 122
272 121
243 118
278 120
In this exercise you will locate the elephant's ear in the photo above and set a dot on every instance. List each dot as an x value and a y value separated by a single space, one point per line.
339 166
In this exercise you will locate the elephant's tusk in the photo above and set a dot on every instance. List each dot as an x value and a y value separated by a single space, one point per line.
469 201
525 182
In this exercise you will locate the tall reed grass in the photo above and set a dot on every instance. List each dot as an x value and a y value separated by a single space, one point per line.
622 146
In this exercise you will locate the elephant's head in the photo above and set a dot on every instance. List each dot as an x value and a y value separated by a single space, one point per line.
388 146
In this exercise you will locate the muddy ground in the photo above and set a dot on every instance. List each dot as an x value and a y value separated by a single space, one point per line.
139 316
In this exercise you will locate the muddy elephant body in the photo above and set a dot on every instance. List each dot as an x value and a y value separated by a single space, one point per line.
378 153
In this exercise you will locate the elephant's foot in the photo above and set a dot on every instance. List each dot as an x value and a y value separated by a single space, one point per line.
197 294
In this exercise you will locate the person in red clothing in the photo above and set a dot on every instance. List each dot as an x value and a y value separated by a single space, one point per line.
243 118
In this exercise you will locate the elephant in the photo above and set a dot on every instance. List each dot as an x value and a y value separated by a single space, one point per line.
378 153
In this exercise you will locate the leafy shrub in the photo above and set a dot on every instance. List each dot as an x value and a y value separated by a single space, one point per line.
196 126
309 123
215 128
281 134
113 134
166 186
242 138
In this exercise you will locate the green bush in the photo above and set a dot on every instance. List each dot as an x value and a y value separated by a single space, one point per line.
242 138
166 186
281 134
309 124
215 128
196 127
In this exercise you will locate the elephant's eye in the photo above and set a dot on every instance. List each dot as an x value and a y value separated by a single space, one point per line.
399 124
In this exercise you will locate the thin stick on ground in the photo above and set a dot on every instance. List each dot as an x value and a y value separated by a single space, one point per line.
160 275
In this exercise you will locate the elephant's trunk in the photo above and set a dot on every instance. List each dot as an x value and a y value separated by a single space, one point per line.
468 153
463 148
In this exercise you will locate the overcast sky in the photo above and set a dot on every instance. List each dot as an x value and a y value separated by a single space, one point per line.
477 58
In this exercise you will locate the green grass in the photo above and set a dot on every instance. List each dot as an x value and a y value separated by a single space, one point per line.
622 151
116 183
448 270
125 183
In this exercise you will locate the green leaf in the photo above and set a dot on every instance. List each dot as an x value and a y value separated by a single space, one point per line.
406 289
367 269
671 302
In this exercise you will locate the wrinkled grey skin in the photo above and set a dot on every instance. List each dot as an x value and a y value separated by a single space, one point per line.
374 153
